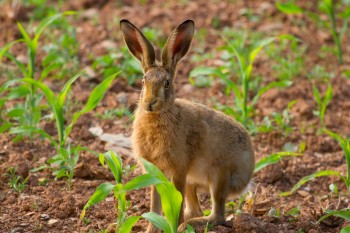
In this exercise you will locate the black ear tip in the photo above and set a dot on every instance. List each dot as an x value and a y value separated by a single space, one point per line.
124 21
188 21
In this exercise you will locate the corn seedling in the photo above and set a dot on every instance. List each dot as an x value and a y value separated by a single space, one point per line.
171 198
343 213
345 145
28 114
278 121
328 7
118 60
67 155
245 57
16 182
272 159
322 103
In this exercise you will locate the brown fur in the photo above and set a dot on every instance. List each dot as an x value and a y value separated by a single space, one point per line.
195 145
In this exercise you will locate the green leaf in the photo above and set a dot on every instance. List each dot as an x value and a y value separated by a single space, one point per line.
289 8
8 46
51 99
344 213
25 35
115 165
199 71
46 22
4 127
30 129
316 94
141 182
158 221
128 224
306 179
272 159
98 93
279 84
63 93
99 195
40 168
328 95
345 230
16 112
171 203
171 199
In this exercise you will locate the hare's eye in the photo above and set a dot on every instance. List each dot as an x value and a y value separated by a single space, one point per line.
166 84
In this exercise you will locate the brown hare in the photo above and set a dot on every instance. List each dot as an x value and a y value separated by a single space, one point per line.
194 145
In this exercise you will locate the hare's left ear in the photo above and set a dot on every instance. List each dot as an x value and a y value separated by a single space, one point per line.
177 44
138 44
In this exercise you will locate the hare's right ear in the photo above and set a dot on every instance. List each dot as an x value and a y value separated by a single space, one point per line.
138 44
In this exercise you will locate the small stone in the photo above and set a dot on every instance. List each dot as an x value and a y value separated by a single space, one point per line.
303 193
22 59
90 13
122 98
96 131
90 72
42 160
52 221
44 216
108 44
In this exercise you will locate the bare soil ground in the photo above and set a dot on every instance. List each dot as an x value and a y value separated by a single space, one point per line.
51 208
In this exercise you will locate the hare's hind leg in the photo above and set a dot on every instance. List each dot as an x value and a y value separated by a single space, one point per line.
193 208
219 191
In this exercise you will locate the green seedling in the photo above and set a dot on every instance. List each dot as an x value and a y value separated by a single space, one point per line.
28 114
67 154
326 6
272 159
322 103
171 199
16 182
278 121
245 57
345 145
343 213
118 60
319 72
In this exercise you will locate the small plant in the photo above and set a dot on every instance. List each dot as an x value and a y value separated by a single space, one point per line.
28 114
343 213
245 57
118 60
272 159
170 197
16 182
278 121
67 154
326 6
322 103
345 145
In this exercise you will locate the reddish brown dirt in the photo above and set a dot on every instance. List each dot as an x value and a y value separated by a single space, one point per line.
34 209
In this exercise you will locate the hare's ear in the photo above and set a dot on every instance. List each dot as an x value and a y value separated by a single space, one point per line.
138 44
177 44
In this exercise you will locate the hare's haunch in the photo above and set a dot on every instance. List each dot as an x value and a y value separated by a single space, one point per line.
195 145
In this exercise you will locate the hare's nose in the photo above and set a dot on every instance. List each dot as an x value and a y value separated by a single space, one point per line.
153 101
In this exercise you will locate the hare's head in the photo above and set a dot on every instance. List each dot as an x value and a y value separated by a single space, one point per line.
158 80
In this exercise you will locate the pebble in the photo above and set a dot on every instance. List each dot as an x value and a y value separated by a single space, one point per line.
122 98
44 216
52 221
